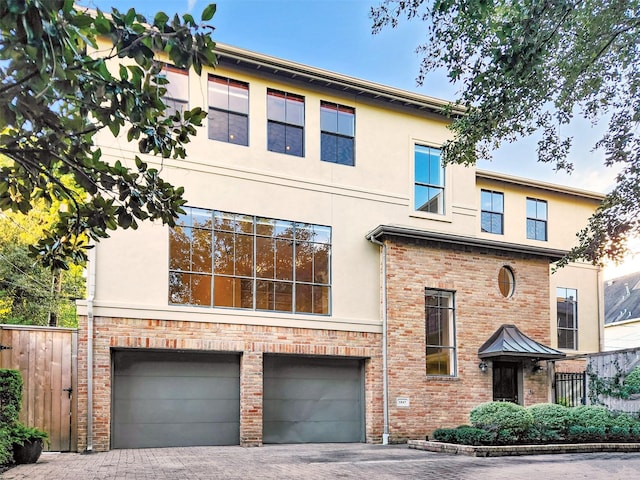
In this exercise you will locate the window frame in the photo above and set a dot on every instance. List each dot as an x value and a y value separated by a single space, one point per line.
229 111
419 183
537 220
451 347
286 123
337 134
563 297
492 212
309 246
172 101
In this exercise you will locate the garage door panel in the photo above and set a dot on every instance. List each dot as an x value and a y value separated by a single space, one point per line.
312 400
163 399
172 387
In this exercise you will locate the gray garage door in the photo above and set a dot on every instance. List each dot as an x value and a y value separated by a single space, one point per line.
175 399
313 400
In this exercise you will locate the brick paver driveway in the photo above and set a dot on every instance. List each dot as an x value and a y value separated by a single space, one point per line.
324 461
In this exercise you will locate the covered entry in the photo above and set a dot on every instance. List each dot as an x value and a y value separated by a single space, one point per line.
313 400
175 399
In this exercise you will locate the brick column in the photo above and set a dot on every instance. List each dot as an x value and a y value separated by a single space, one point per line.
251 394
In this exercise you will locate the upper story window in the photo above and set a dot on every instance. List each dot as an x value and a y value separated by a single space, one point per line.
177 96
492 212
440 332
567 302
536 219
429 180
228 110
285 125
337 125
223 259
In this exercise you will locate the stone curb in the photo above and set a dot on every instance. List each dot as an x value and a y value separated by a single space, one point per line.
516 450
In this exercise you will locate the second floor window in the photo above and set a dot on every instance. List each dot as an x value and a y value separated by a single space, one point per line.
223 259
440 332
567 303
429 180
536 219
337 125
228 110
285 123
177 96
492 214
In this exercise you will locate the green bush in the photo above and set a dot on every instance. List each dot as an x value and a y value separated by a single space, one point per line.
632 380
619 434
624 420
6 447
549 419
20 434
446 435
591 416
494 417
10 396
582 434
463 435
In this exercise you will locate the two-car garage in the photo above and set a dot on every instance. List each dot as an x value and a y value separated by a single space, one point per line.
182 398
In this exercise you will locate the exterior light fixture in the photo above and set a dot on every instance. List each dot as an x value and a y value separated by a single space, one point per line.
535 366
483 366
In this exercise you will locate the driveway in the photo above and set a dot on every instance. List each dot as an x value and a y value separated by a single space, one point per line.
321 462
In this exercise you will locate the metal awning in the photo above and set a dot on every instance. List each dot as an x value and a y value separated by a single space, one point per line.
508 341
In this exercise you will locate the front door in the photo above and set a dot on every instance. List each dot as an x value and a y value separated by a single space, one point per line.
505 382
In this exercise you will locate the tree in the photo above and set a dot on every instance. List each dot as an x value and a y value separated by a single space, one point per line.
61 86
531 65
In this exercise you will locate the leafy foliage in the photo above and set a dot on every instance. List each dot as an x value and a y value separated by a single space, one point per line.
61 86
6 446
506 417
10 396
463 435
591 416
531 66
549 420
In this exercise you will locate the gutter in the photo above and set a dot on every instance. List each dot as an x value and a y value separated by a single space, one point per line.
385 368
91 287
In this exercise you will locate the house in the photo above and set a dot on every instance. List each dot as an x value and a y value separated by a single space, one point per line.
330 280
622 312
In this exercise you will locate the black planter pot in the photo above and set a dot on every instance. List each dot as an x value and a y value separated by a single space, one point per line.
27 453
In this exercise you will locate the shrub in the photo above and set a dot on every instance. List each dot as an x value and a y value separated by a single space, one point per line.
513 419
619 434
20 434
549 419
6 447
463 435
591 416
581 434
10 396
632 380
623 420
446 435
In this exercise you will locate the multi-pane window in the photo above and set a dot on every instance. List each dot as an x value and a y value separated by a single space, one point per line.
440 332
536 219
224 259
177 96
285 123
567 302
228 110
337 125
492 212
429 180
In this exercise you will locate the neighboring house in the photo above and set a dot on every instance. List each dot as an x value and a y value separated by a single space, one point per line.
622 312
331 280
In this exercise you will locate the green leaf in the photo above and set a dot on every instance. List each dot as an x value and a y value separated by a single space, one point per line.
208 12
160 20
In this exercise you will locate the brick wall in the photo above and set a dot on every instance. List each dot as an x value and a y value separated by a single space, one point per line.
480 310
251 341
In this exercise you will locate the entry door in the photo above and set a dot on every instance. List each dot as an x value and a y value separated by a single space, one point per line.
505 382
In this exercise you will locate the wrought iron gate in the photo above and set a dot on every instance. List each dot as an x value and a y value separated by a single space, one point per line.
571 389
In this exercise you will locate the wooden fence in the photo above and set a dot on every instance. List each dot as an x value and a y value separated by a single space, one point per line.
47 359
611 368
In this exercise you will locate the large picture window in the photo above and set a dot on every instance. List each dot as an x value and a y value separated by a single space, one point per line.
429 180
285 125
228 110
223 259
536 219
440 332
567 303
492 212
337 125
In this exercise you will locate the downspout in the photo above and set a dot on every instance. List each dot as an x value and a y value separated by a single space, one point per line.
385 380
91 292
600 310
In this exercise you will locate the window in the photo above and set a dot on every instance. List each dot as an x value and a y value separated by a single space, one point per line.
567 301
492 212
506 282
337 125
536 219
228 110
285 126
177 96
429 180
440 332
224 259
